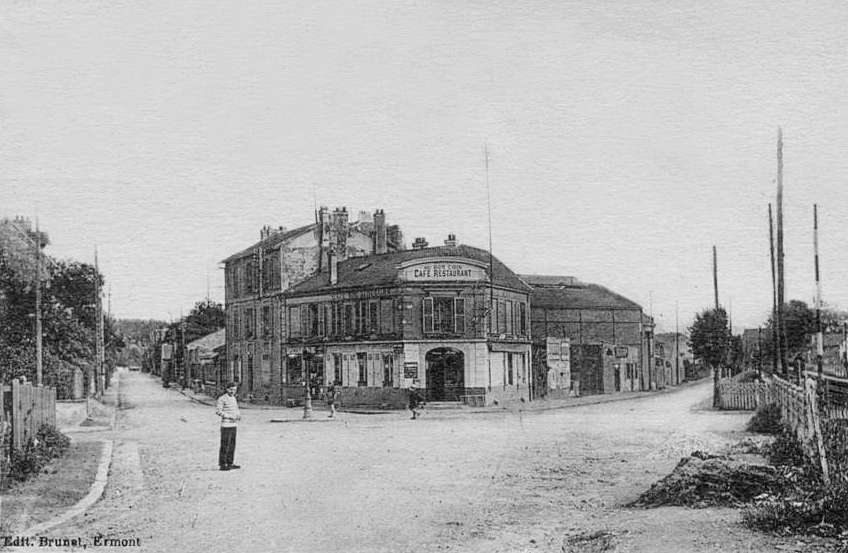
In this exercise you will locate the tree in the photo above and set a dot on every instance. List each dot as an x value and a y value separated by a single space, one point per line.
709 338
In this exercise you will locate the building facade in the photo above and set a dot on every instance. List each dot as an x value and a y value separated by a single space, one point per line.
256 278
590 315
450 320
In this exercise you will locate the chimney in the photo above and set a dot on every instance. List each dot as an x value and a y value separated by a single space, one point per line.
334 268
451 241
264 232
394 237
419 244
380 232
338 232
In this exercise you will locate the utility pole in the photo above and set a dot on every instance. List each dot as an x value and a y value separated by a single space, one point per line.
98 340
715 276
781 328
677 344
819 337
775 335
38 345
716 370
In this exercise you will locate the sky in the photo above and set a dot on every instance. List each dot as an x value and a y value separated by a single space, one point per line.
625 139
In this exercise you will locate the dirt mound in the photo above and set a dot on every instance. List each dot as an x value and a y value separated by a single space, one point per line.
703 480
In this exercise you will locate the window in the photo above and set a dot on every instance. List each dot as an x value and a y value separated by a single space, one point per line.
325 321
305 324
348 320
248 276
295 327
509 369
237 322
373 317
313 319
337 368
337 319
249 323
522 319
388 369
267 321
360 318
501 317
444 315
362 361
510 321
459 314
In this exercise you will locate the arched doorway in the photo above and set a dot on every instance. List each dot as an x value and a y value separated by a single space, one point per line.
445 374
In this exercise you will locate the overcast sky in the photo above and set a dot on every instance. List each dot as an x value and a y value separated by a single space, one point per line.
625 138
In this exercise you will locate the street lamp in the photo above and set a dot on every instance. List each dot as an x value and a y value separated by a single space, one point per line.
307 403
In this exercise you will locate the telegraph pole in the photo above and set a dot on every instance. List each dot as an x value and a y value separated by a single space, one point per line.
38 345
98 341
781 329
775 335
819 337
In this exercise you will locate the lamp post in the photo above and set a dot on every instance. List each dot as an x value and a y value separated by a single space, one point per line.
307 403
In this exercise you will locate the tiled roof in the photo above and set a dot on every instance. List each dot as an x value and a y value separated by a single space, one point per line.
382 270
579 296
550 280
273 240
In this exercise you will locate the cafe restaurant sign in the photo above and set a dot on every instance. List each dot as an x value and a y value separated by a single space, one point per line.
438 269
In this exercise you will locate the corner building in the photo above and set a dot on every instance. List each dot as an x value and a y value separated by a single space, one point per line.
430 316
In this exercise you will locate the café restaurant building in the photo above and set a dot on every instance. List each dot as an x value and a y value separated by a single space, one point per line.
450 320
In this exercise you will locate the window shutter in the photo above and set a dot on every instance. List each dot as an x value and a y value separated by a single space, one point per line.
427 310
459 315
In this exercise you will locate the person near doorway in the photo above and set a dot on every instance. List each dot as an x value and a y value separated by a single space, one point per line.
330 397
415 400
227 409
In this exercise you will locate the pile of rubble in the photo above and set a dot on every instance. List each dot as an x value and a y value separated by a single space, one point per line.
705 480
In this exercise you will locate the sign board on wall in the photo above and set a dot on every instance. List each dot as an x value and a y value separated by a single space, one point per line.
437 269
622 351
410 369
166 352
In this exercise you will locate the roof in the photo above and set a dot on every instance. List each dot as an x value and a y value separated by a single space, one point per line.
273 240
578 295
210 341
383 270
550 280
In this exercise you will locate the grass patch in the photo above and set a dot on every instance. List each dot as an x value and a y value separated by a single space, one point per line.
62 483
766 420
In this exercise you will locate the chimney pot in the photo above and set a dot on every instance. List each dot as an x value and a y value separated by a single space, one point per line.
451 241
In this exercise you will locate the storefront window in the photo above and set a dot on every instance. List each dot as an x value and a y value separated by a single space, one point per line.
444 315
362 362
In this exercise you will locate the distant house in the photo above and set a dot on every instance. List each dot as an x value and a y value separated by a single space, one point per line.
673 353
202 359
562 307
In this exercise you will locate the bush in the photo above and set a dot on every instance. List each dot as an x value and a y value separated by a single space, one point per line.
786 451
766 420
48 444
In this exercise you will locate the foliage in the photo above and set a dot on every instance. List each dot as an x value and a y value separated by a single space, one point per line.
709 337
68 311
766 420
48 444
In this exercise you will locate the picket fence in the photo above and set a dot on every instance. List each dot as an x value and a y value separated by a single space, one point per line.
23 409
741 396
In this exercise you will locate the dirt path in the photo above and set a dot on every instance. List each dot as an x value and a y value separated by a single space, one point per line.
543 481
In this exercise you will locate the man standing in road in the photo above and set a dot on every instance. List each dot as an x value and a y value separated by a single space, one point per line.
227 409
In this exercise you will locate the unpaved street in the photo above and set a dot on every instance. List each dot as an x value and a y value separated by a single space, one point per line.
507 481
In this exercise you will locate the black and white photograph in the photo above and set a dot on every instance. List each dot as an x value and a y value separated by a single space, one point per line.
423 276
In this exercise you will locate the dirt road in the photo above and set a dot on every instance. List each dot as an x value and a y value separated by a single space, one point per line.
509 481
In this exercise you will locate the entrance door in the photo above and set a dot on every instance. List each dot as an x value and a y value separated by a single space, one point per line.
445 374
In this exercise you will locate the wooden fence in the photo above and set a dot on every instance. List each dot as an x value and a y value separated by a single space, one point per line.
742 396
23 409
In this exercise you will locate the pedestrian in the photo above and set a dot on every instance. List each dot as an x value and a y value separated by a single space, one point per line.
330 397
415 400
227 409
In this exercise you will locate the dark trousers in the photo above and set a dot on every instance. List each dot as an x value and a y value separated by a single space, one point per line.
228 446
